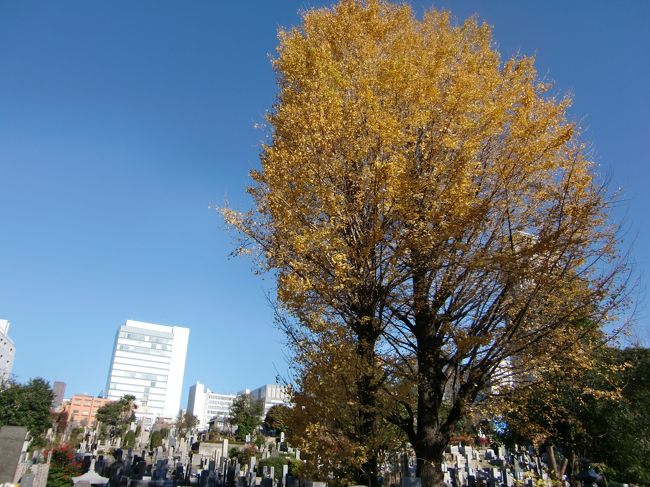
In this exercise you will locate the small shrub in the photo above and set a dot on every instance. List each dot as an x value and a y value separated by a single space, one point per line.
63 466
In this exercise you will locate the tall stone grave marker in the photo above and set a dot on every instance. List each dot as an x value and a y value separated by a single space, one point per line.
285 472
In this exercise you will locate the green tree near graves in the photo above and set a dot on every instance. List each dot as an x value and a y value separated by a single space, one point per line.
620 429
295 466
246 413
116 417
60 422
76 437
276 418
185 423
601 414
27 405
213 436
260 441
243 454
129 440
616 429
157 438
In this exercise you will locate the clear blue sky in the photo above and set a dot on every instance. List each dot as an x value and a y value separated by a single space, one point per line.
121 122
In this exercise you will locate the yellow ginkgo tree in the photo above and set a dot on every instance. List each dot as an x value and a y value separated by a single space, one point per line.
434 200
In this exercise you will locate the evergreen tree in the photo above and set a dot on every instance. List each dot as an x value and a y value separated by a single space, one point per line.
27 405
246 413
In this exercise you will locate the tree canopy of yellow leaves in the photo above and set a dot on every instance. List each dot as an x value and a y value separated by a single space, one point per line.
418 188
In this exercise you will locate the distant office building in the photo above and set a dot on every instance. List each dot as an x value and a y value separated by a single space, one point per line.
271 395
149 362
213 408
7 351
82 409
58 388
207 405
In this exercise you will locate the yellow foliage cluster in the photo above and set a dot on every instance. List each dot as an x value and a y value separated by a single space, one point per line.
398 135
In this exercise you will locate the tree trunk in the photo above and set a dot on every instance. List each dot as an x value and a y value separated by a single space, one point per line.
550 453
429 463
575 468
367 388
370 471
430 441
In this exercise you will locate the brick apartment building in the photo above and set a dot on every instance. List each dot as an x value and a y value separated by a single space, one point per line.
83 408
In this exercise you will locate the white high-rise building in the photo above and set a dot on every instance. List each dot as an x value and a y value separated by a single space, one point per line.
7 351
206 405
149 362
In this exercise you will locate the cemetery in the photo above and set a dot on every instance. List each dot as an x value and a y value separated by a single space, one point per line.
180 462
173 454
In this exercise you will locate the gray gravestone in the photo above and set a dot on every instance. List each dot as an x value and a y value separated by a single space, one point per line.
232 474
519 474
27 479
12 439
285 472
100 464
203 478
224 448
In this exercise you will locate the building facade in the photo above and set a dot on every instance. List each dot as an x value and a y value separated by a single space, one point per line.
82 409
58 388
7 351
207 405
271 395
149 362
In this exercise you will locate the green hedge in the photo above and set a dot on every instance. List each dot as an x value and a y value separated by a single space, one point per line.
277 462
